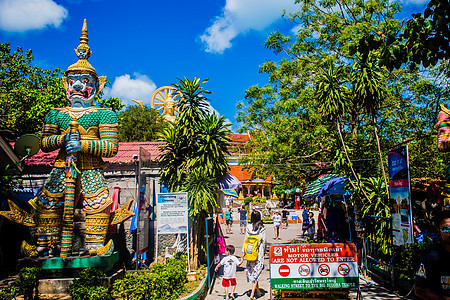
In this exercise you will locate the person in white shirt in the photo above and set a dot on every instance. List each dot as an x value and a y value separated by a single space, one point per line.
276 224
229 263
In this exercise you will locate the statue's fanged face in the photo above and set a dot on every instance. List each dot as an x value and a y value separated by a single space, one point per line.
81 89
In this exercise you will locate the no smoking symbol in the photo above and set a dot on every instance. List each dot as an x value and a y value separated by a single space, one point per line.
343 269
304 270
324 270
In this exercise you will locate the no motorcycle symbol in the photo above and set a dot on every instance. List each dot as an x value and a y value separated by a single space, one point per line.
324 270
304 270
343 269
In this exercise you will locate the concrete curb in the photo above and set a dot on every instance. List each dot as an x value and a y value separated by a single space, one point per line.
198 293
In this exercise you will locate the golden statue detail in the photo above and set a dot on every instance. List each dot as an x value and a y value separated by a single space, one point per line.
84 134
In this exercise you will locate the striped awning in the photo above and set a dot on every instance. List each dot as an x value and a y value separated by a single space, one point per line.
315 186
230 193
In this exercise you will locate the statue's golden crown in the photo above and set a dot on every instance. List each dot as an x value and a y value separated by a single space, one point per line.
83 53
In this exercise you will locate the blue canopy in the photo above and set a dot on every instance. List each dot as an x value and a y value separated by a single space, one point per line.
315 186
335 186
229 181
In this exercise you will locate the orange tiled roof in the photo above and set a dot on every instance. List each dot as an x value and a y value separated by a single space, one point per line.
239 172
238 138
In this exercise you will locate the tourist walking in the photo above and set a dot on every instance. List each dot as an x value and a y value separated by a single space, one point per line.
276 224
242 218
284 218
229 263
312 226
305 220
253 252
228 220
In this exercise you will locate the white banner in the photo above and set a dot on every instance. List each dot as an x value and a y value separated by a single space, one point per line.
172 213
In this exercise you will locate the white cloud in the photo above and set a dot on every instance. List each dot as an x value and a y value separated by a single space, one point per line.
296 29
240 16
23 15
126 88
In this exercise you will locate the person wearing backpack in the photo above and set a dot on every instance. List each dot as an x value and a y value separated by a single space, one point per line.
253 251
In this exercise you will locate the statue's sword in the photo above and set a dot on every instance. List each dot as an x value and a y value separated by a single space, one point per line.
69 198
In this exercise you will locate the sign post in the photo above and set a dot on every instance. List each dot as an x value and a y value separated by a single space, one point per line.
313 266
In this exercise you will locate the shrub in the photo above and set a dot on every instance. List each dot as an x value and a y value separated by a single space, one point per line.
164 281
248 200
89 286
28 282
406 257
9 292
133 287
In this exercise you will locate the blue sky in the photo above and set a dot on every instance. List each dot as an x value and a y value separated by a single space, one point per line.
143 45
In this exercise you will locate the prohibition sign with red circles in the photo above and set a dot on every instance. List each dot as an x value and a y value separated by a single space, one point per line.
284 271
324 270
343 269
304 270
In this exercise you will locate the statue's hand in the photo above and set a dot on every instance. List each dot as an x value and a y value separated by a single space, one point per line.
73 143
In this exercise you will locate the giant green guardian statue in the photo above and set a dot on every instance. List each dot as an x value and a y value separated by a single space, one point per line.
84 134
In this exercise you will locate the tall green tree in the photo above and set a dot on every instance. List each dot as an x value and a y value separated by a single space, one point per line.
114 103
334 100
27 92
288 117
140 124
194 157
370 91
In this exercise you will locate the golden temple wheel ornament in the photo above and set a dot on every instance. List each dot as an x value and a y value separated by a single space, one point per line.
165 100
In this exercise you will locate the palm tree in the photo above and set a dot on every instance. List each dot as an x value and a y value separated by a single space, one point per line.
333 97
369 89
194 157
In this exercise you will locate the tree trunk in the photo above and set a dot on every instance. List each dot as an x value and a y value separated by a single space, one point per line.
201 240
350 164
192 246
375 129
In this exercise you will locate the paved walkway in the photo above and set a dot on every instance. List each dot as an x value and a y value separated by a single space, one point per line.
369 291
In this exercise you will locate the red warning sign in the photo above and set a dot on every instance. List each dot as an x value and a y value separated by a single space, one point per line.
343 269
324 269
304 270
284 271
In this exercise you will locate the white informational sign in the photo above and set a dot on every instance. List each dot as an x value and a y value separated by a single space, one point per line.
313 266
172 213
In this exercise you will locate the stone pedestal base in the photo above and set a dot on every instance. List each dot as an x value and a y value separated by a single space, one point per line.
61 285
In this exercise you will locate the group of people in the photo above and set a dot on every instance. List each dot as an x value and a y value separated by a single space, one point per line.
254 266
242 219
255 228
432 277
